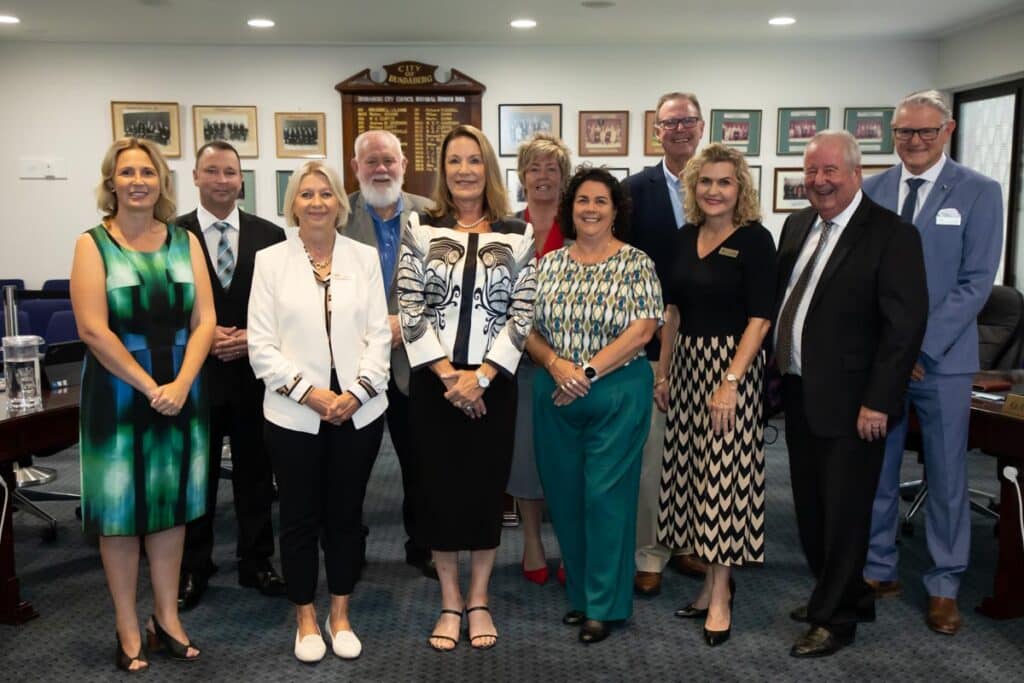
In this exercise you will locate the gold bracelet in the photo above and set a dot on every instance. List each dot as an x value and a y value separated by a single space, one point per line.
547 366
660 381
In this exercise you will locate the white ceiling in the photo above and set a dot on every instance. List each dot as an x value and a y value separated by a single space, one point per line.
560 22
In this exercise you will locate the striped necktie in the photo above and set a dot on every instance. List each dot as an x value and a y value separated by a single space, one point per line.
225 259
787 317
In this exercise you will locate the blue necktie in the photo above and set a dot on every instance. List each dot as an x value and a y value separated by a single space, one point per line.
225 259
910 203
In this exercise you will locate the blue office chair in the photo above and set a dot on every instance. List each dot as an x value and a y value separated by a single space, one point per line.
18 283
57 286
24 327
61 328
40 310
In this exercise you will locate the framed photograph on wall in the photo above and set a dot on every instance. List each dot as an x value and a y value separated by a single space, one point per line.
301 135
797 125
620 172
872 127
154 121
236 125
868 171
516 193
517 123
247 197
604 134
652 145
282 184
790 194
755 177
739 128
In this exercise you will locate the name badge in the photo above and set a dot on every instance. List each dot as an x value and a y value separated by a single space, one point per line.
341 276
947 217
726 251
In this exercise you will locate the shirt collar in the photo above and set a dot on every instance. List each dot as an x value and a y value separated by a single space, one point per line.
207 219
930 176
399 207
669 175
846 214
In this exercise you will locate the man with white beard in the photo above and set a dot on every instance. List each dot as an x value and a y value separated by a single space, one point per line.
380 210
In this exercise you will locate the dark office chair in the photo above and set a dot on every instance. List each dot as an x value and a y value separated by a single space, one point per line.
40 310
1000 347
61 328
18 283
57 286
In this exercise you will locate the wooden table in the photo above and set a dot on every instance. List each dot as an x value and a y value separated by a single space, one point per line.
53 427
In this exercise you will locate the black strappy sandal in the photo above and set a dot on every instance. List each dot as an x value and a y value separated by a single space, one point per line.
159 639
453 641
472 638
124 662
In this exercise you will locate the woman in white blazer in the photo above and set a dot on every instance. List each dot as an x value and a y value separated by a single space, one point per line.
319 339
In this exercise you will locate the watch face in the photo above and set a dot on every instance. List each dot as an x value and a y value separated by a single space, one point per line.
591 373
482 380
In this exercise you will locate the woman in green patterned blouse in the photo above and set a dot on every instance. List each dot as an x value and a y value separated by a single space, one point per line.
143 304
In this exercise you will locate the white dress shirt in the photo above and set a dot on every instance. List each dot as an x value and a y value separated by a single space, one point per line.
675 193
810 244
212 235
929 177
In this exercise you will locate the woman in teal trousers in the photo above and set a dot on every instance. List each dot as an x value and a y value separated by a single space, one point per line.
598 303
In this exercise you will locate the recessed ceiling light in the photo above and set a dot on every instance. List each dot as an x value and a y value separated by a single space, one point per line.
597 4
7 19
522 23
781 21
261 23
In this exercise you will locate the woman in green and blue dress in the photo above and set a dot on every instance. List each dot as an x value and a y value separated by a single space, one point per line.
143 304
598 303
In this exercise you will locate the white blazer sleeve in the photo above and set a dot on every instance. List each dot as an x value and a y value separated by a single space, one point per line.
507 348
268 363
375 361
418 334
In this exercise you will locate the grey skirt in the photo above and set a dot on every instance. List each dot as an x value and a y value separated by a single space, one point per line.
523 481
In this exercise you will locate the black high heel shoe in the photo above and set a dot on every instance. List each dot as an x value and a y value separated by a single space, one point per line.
693 612
574 618
715 638
159 639
593 631
124 662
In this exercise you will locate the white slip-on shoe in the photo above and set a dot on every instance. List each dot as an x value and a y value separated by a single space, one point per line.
309 649
345 643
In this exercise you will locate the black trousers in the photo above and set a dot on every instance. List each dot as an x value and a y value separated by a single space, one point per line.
834 483
252 486
321 480
400 430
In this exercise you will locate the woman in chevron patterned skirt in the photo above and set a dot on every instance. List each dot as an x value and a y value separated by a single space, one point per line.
719 300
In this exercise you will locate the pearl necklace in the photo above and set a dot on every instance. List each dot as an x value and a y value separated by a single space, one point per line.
319 265
471 225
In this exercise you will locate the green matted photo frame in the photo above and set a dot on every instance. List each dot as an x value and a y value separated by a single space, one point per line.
872 126
738 128
755 177
797 125
282 178
247 197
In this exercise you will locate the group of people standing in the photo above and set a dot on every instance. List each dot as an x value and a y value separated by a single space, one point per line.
601 353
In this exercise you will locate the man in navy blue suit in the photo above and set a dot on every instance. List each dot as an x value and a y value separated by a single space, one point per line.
959 214
657 213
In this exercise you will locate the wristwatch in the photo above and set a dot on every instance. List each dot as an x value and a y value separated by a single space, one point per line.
482 381
590 372
732 378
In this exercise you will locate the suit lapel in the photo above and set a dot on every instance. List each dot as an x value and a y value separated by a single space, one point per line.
850 237
191 223
789 250
246 257
889 188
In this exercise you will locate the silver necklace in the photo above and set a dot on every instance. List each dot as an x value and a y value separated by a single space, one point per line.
471 225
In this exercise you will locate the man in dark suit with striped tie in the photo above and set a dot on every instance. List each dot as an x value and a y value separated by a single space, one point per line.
230 240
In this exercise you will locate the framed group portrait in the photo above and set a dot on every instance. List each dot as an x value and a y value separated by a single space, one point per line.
604 134
282 178
797 125
790 194
157 122
247 196
517 123
652 145
236 125
738 128
301 135
872 126
620 172
755 177
867 171
516 193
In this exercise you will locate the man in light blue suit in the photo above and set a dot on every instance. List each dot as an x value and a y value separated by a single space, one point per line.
959 214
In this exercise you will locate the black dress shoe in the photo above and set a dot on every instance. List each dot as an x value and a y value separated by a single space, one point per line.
864 614
819 642
191 587
691 612
593 631
714 638
574 618
266 581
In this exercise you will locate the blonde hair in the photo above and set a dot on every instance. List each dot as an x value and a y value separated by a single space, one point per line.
332 178
748 206
106 199
495 198
540 146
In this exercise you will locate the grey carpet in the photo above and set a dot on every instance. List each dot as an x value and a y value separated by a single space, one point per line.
246 637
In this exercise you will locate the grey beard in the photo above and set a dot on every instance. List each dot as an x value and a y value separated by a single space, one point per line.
380 199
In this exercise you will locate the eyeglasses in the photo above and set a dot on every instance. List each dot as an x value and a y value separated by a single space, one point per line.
685 122
926 134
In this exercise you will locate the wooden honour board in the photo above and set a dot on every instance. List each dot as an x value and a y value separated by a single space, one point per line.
416 107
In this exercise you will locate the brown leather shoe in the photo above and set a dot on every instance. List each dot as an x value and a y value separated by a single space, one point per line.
885 589
689 565
943 615
647 583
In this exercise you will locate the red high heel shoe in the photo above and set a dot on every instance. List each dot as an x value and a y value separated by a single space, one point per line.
560 574
538 576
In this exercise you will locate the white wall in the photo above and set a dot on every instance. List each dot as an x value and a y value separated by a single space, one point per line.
991 52
56 102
